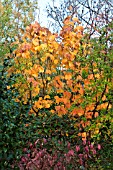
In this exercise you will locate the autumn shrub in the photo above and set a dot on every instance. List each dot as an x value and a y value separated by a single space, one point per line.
60 89
65 74
64 156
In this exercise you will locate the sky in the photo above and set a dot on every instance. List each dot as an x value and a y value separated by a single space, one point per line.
42 15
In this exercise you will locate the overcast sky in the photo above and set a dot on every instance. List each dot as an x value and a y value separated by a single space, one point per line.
42 14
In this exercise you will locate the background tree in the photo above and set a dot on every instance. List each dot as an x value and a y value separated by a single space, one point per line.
93 14
14 17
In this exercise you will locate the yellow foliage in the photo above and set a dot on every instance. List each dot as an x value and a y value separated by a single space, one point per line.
51 67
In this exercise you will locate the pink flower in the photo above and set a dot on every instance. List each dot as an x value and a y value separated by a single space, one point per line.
94 152
99 146
31 145
44 140
84 142
59 164
80 155
70 153
25 149
77 148
23 159
87 149
80 161
91 146
28 154
51 162
85 156
89 143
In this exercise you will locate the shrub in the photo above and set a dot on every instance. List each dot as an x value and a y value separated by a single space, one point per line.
64 156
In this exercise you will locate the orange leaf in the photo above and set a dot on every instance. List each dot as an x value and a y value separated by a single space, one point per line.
83 136
78 111
57 99
68 76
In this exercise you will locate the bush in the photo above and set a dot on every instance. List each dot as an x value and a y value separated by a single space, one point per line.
63 156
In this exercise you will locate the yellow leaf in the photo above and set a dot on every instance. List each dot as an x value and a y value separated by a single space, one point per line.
52 37
103 98
48 78
75 19
50 50
67 134
60 90
55 61
97 75
40 106
43 46
38 48
68 76
52 111
41 69
35 42
64 61
48 71
37 89
79 27
47 97
71 64
83 136
57 99
35 75
47 105
96 131
43 59
8 87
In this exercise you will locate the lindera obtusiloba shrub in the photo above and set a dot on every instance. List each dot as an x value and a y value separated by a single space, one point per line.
74 70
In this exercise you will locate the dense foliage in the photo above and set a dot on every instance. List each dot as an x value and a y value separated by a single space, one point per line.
56 99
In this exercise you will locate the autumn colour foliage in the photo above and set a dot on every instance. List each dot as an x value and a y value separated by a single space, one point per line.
57 89
59 73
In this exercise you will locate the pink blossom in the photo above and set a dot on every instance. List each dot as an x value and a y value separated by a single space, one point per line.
85 156
71 153
28 154
31 145
94 152
25 149
84 142
99 146
59 164
89 143
23 159
86 149
80 155
44 140
91 146
77 148
80 161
